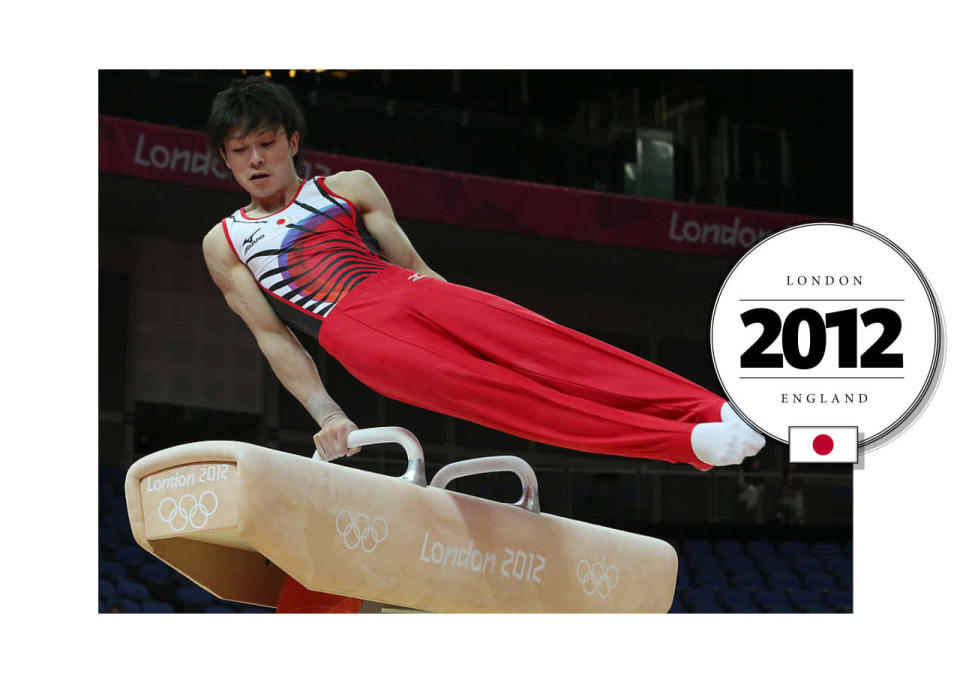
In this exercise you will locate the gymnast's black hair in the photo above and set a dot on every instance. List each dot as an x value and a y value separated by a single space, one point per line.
252 103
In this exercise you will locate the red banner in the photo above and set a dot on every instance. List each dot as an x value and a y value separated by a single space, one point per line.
179 156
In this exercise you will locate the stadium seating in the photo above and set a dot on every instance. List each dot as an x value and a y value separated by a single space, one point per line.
749 579
194 598
113 571
132 556
826 550
793 549
738 563
754 576
809 601
133 591
773 601
107 589
728 549
736 599
819 581
841 601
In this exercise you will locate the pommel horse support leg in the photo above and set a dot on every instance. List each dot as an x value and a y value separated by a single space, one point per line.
235 518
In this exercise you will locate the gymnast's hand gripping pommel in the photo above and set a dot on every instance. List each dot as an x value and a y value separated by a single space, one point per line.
238 519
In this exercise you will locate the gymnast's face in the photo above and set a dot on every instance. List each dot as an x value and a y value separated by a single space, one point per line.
262 160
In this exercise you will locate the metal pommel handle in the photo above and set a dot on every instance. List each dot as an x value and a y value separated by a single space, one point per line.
416 470
529 498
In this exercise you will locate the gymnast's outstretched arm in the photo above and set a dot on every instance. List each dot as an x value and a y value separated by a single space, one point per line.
290 362
362 189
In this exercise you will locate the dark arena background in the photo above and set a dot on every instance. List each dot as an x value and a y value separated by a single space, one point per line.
612 202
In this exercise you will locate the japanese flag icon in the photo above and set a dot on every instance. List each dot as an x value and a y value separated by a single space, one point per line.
823 444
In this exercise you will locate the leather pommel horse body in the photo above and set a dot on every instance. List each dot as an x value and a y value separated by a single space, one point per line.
235 518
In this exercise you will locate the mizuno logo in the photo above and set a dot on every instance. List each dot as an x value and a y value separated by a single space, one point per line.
248 243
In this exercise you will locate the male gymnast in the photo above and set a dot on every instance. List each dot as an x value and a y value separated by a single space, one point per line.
299 254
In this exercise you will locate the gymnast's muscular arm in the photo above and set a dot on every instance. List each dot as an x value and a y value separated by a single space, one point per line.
290 362
361 189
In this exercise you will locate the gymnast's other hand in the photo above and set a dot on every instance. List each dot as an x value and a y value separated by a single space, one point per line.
331 440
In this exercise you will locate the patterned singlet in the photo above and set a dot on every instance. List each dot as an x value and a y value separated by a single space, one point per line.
308 255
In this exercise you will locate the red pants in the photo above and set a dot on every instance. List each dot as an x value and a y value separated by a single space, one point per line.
295 598
475 356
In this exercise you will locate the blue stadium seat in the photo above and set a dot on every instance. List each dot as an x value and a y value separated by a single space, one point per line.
735 595
821 582
112 570
736 599
728 548
111 500
132 591
807 565
130 606
826 550
739 563
115 520
194 599
256 609
124 536
705 562
749 581
132 556
153 607
773 601
839 568
773 565
218 609
841 601
808 601
712 580
760 549
683 580
701 600
695 546
793 549
784 581
156 571
109 537
107 589
694 595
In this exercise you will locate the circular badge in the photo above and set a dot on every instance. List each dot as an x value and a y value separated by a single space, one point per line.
825 327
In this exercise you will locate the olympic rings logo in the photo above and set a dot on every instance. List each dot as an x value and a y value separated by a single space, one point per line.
359 531
188 510
596 578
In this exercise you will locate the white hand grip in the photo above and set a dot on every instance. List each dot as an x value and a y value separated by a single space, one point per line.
529 498
416 470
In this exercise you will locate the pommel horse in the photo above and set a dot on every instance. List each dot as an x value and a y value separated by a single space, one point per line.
235 518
